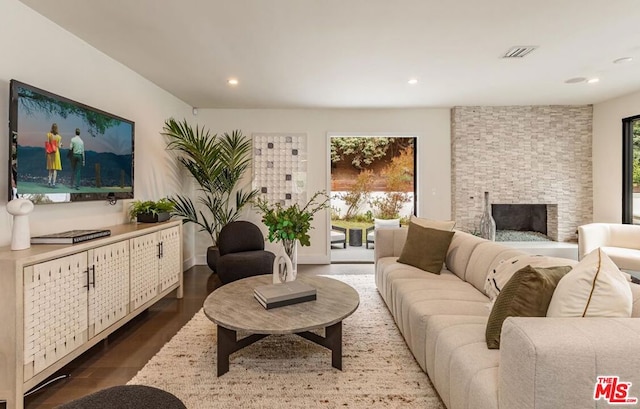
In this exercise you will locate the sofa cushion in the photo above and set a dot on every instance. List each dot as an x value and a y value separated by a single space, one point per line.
465 373
437 323
426 248
594 288
485 257
527 294
386 223
337 235
416 300
460 250
635 292
502 273
388 270
460 356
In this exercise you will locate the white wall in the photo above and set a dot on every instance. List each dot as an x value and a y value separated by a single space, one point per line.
36 51
431 126
607 155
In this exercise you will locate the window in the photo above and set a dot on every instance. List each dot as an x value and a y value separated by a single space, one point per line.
631 170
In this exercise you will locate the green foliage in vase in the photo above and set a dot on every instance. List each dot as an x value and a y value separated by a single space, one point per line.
293 222
217 163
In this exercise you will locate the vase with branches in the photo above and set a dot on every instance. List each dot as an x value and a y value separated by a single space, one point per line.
290 225
218 164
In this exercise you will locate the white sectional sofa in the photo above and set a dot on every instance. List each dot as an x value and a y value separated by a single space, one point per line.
542 363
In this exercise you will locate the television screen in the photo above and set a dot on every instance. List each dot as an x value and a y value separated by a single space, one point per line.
65 151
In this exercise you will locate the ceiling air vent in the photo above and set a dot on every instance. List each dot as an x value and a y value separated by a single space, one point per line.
519 51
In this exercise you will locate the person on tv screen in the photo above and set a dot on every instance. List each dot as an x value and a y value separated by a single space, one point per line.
76 146
52 149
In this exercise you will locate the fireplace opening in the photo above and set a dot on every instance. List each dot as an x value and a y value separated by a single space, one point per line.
520 222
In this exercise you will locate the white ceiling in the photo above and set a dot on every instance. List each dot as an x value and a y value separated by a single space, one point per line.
360 53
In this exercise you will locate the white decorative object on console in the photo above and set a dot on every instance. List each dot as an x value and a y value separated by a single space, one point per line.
20 236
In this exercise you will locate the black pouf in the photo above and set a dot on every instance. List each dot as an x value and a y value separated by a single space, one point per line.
127 397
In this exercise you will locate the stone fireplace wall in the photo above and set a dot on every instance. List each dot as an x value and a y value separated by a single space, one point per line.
523 155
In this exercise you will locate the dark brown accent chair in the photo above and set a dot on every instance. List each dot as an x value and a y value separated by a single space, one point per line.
242 252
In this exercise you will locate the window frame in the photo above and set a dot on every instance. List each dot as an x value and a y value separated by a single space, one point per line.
627 168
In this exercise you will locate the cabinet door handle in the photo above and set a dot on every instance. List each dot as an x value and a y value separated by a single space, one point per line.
159 251
93 273
87 286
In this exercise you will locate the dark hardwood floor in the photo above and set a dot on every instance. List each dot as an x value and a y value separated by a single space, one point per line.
126 351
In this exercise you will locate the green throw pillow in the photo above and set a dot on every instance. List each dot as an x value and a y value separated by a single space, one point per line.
527 294
426 248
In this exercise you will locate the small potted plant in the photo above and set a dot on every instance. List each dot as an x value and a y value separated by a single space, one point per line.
149 211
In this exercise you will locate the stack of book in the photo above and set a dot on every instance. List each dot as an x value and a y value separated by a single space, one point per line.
279 295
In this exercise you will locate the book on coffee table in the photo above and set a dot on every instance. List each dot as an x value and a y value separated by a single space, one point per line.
279 295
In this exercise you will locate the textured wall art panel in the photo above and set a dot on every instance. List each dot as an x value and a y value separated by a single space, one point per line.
523 155
280 167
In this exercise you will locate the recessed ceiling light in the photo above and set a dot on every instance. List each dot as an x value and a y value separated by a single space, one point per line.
413 81
593 80
575 80
232 81
623 60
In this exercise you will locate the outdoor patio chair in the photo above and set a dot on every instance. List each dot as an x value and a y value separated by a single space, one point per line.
380 224
339 235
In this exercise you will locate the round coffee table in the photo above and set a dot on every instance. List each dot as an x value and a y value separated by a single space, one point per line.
233 308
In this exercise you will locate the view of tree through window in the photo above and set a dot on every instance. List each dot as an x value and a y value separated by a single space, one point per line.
372 177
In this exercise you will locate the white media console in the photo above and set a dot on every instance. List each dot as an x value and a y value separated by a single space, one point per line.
57 301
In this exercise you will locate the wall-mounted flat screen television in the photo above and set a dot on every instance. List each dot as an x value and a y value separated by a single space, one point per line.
65 151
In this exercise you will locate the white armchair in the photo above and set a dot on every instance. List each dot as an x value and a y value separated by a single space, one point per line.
621 242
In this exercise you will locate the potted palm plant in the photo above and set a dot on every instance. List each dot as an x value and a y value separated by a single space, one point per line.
217 163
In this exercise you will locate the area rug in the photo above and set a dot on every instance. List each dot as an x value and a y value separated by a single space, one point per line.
286 371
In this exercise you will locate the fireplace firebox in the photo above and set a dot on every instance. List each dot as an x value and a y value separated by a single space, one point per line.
520 217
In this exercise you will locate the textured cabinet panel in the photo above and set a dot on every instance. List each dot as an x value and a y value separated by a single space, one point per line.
109 285
58 301
170 259
55 311
144 253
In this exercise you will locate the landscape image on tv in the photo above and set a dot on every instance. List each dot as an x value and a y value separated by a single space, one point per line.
99 167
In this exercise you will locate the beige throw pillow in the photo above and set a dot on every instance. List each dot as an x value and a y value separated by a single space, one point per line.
527 294
433 224
425 248
500 276
594 288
